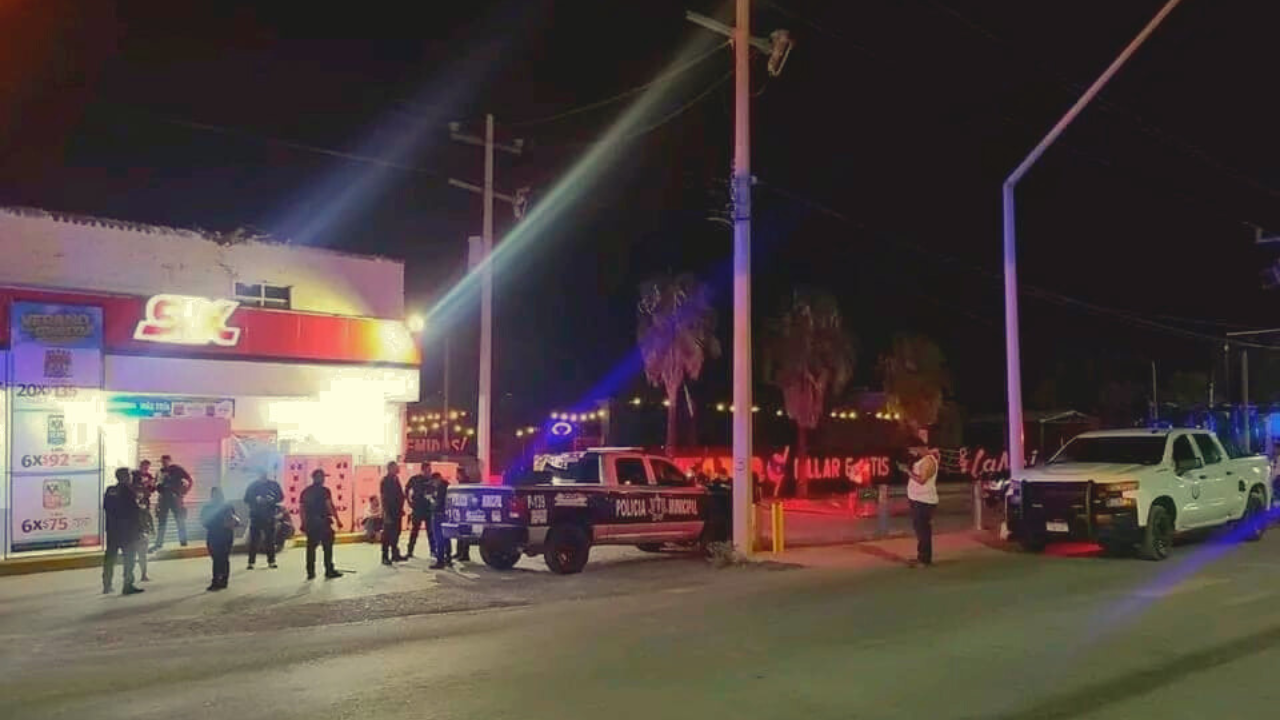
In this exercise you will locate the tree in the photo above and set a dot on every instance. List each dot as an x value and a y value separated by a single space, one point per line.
676 333
809 355
915 379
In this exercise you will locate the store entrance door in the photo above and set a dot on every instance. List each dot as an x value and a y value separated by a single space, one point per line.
195 444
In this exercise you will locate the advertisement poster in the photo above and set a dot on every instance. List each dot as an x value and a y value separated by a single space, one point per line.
54 511
246 455
54 472
148 406
55 346
54 441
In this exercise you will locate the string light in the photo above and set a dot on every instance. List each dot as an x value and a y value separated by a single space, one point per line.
636 401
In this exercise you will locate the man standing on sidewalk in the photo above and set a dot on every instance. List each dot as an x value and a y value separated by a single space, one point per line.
922 493
419 491
121 509
464 547
392 514
262 497
318 516
440 495
174 484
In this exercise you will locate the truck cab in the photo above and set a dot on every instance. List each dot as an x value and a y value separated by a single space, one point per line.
1139 489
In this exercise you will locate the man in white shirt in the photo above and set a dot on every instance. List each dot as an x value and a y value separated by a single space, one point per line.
922 493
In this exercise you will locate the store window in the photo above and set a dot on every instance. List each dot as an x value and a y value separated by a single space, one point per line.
264 295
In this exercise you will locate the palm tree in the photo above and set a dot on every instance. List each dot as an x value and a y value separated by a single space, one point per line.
809 355
915 379
676 333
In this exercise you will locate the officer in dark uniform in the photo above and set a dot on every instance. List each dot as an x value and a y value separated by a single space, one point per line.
464 547
439 492
418 489
318 516
120 506
262 498
143 485
174 484
392 514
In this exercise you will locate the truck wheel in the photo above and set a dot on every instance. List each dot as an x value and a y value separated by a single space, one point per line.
1157 538
1254 521
567 549
651 547
499 555
1033 543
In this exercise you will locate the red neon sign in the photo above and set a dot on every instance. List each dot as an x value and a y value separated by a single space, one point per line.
186 320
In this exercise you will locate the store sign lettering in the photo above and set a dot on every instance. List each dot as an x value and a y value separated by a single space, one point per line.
186 320
977 464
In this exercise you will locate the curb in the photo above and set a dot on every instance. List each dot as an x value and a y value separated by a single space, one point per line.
81 560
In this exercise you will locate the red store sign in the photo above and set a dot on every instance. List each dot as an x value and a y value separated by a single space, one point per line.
185 326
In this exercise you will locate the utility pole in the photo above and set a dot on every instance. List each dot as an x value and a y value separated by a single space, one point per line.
1013 361
1244 380
484 403
778 46
445 414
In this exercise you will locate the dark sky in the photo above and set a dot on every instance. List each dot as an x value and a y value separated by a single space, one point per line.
880 152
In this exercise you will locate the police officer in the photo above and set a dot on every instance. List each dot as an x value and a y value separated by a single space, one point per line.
392 514
121 509
143 485
439 492
418 489
174 484
318 516
262 498
464 547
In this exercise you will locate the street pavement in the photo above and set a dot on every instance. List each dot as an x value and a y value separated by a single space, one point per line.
845 632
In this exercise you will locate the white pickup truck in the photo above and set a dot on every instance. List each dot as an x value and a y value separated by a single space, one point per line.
1128 489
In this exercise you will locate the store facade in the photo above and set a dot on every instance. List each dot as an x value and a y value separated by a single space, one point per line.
231 389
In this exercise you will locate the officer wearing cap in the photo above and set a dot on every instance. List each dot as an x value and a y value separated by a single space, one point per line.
318 517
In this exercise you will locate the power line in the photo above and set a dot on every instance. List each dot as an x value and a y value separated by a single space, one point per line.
675 72
1027 289
303 147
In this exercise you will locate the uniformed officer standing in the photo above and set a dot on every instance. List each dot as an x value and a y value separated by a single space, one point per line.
121 509
318 516
262 496
144 484
392 514
464 547
420 509
439 492
174 484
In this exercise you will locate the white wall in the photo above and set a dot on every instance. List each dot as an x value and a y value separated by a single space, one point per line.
68 252
221 378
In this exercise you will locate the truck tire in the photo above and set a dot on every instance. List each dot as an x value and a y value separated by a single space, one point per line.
1254 521
498 554
568 547
1157 537
651 547
1033 543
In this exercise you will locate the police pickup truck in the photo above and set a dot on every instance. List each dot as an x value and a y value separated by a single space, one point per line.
1138 489
603 496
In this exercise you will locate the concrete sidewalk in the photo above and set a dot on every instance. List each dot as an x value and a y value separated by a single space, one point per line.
947 548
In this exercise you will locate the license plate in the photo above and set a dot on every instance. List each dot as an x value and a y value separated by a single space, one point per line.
1058 527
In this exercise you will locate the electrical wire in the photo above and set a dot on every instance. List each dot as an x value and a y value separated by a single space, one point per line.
675 72
303 147
1033 291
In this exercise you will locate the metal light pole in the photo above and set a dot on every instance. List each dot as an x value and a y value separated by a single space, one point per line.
1017 456
1244 380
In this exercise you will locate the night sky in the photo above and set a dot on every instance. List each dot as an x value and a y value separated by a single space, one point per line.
880 152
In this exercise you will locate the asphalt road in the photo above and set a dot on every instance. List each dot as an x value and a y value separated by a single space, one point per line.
991 634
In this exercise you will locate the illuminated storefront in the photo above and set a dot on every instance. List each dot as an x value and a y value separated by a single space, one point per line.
95 381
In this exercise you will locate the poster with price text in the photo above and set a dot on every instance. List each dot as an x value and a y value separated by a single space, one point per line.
49 512
55 346
57 440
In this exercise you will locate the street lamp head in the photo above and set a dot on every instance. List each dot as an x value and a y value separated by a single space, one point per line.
416 323
782 44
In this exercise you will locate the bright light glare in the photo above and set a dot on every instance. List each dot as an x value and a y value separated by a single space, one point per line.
416 323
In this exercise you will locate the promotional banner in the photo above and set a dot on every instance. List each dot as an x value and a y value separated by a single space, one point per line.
54 378
55 346
54 511
149 406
